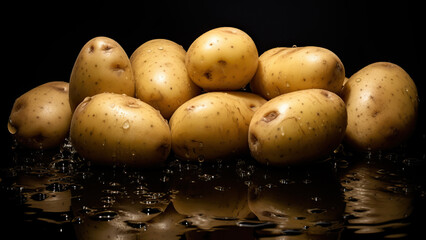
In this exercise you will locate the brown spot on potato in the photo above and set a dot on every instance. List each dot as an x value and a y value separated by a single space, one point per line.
60 89
325 94
91 49
106 47
253 139
222 62
208 75
19 105
268 117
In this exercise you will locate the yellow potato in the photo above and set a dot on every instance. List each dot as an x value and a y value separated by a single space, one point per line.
213 125
40 118
297 127
161 77
282 70
223 58
110 128
101 66
382 105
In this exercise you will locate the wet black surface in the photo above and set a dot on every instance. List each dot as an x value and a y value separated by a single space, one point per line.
55 194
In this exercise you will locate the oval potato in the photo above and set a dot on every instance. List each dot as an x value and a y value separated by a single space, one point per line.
297 127
101 66
110 128
40 118
213 125
222 59
283 70
161 77
382 104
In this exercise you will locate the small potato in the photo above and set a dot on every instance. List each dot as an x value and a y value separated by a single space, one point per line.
382 105
110 128
297 127
213 125
282 70
101 66
161 77
40 118
221 59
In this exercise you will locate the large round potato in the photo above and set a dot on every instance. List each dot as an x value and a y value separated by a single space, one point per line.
297 127
213 125
223 58
101 66
382 104
113 128
161 77
40 118
282 70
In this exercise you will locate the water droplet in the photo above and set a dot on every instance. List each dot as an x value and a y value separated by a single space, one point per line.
317 210
292 232
287 84
358 80
135 224
160 48
107 215
38 196
205 177
126 125
149 211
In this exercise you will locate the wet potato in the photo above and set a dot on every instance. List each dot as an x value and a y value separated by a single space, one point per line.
40 118
101 66
222 59
382 105
297 128
111 128
161 77
213 125
283 70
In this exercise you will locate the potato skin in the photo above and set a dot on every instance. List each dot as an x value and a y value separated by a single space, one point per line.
161 77
101 66
222 59
382 104
297 127
40 118
283 70
213 125
110 128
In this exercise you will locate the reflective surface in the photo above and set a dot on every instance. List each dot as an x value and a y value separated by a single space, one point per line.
365 196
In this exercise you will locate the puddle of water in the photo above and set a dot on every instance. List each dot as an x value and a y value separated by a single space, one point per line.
58 195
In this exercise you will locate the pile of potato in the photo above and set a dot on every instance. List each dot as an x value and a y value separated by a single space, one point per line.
163 99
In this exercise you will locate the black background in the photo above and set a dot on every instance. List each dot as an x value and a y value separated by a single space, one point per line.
40 42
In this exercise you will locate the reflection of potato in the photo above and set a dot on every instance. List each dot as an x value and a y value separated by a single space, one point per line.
296 202
375 196
211 195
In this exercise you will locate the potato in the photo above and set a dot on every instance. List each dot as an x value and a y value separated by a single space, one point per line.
161 77
223 58
382 104
101 66
41 117
110 128
213 125
297 127
282 70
